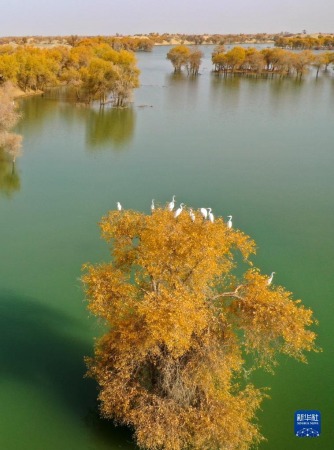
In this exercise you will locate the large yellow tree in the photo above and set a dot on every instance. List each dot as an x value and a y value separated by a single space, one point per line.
179 56
181 326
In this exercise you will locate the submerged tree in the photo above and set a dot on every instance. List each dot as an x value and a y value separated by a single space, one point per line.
178 56
183 56
267 62
181 327
111 73
194 61
301 62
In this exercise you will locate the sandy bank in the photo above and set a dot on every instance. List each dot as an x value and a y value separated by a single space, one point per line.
20 93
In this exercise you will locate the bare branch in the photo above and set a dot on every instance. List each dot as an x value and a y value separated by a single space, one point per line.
230 294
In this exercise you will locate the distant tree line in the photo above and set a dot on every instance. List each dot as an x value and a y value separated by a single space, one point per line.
322 42
145 42
93 69
268 62
133 44
117 42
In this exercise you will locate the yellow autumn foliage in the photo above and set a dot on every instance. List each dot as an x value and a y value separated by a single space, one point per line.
180 323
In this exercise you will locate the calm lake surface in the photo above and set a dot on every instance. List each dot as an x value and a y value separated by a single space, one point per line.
261 150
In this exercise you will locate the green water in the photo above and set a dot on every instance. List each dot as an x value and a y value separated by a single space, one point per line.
261 150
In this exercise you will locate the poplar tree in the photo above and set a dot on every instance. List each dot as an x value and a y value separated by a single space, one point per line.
183 330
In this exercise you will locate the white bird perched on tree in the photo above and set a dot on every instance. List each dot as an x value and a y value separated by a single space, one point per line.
211 217
119 206
204 212
179 210
270 279
152 206
229 222
192 215
171 204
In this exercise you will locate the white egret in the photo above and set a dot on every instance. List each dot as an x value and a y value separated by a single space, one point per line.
229 222
204 212
211 217
119 206
152 206
171 204
179 210
192 215
270 279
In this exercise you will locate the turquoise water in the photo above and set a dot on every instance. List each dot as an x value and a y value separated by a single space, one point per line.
261 150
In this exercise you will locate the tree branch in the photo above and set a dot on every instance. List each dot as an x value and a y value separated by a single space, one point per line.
192 270
230 294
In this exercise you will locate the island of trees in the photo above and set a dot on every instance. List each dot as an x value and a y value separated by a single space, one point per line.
184 332
305 42
268 62
183 56
250 61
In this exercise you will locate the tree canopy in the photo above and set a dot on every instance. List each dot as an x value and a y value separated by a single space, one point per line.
94 69
183 329
305 42
266 62
183 56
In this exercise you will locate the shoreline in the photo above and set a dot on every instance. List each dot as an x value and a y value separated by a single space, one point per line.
19 93
168 44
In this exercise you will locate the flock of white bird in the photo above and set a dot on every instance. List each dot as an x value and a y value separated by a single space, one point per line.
206 214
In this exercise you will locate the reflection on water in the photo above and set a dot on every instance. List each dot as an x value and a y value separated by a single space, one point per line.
9 178
105 432
177 77
279 95
35 112
226 87
38 349
105 126
28 331
183 90
109 127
